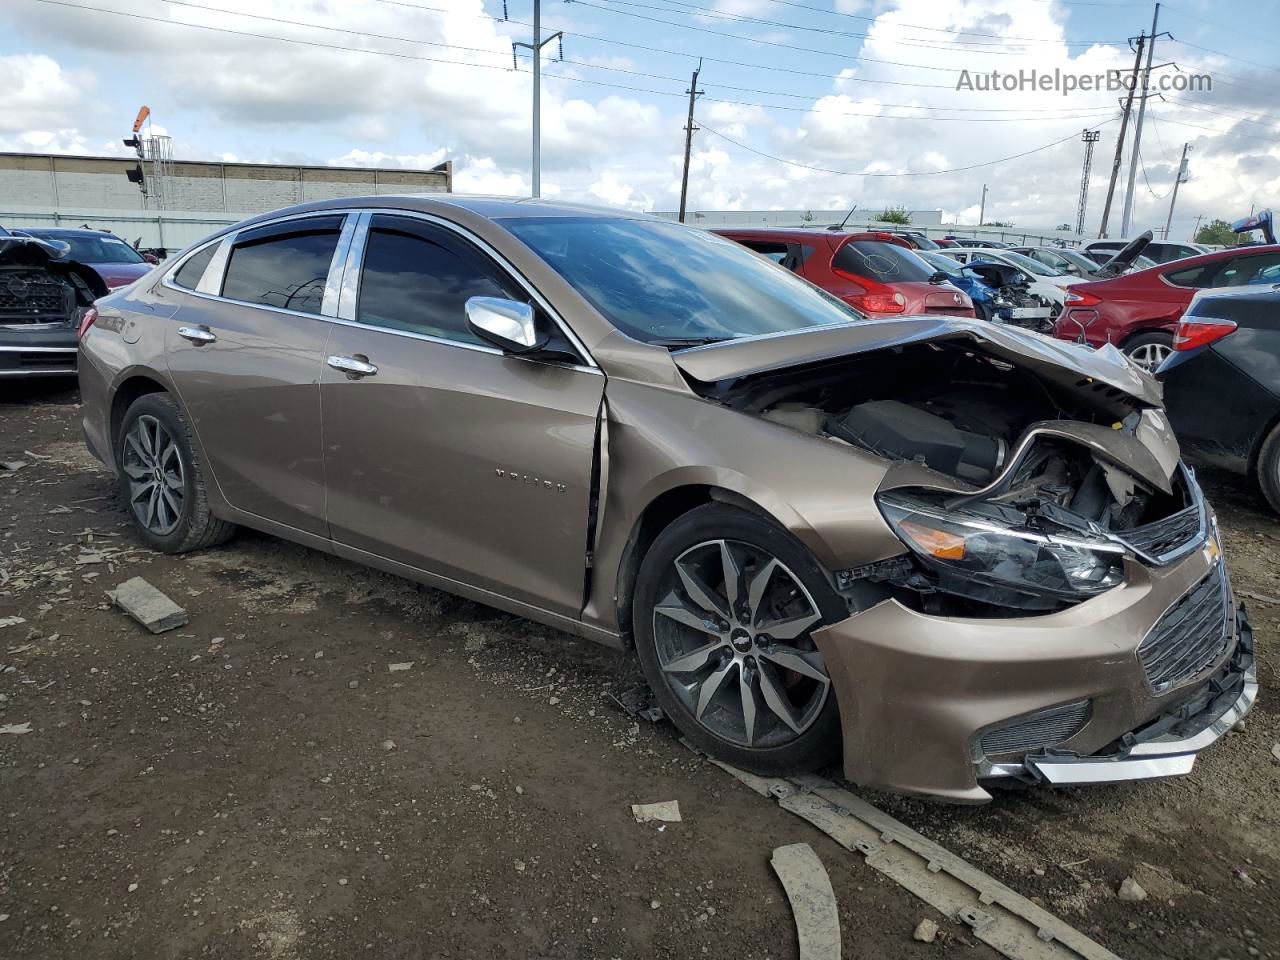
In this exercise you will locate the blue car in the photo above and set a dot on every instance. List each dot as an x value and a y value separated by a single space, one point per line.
986 302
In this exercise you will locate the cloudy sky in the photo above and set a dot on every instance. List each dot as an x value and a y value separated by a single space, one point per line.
804 99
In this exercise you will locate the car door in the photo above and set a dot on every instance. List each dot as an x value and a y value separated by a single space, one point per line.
441 452
245 351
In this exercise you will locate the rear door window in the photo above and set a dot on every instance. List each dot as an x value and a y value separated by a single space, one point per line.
283 265
885 262
189 274
418 277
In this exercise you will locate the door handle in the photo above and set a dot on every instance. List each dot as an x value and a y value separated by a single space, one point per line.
196 335
354 367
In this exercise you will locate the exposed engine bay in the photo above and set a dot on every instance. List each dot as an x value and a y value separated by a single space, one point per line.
39 286
1015 304
1015 491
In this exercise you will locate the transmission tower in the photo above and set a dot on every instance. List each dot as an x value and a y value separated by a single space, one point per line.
1089 138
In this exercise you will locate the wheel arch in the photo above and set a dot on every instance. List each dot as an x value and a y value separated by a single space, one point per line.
129 388
660 512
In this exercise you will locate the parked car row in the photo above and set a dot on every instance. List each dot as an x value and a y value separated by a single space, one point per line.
838 518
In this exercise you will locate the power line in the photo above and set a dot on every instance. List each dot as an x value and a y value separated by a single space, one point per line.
768 43
673 53
1229 56
1220 133
693 9
922 173
1148 179
971 33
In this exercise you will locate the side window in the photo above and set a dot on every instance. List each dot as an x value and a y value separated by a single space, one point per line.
1240 271
189 273
777 252
1194 277
418 277
283 265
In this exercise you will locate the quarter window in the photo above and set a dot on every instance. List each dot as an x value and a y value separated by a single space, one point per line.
189 273
283 265
418 278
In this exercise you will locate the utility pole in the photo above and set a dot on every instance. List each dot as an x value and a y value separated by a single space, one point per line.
982 207
1182 175
1089 138
1196 229
694 93
1124 127
1126 221
535 49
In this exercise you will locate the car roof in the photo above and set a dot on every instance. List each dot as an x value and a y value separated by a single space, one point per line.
64 232
781 233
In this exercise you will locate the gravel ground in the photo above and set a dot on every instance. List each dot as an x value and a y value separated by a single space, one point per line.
262 783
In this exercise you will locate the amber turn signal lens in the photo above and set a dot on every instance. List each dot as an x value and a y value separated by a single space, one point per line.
937 543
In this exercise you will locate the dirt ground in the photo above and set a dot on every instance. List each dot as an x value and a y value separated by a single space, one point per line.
262 783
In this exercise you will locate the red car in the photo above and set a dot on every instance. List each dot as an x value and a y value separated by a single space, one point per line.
1139 311
876 273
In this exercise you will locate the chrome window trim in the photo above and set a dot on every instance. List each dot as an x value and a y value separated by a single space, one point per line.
333 279
355 263
167 278
8 349
215 269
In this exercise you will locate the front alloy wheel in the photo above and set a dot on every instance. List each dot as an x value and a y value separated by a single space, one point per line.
156 477
732 640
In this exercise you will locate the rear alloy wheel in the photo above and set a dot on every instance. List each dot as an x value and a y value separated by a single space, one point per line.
1149 350
155 475
162 478
723 626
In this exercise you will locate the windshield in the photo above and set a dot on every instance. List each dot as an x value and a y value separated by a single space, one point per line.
1029 265
674 285
94 249
886 262
923 242
1078 259
940 261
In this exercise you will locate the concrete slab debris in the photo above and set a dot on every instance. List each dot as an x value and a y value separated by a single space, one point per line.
397 667
926 931
813 902
148 606
1004 920
11 621
16 727
667 811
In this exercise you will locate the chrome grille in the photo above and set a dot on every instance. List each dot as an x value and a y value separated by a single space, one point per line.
1042 729
1165 536
1191 635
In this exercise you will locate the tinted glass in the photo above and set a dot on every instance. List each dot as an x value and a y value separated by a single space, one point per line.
418 277
942 262
1026 263
1241 271
886 262
88 248
283 267
189 273
777 252
1079 259
666 283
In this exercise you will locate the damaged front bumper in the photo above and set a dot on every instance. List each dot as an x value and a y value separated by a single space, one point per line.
939 705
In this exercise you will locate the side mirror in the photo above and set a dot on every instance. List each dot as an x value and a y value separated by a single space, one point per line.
507 324
938 277
151 258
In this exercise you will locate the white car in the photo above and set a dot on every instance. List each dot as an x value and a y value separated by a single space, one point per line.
1041 279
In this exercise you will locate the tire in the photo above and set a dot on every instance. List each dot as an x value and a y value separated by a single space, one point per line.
1155 345
984 310
1268 469
696 659
162 479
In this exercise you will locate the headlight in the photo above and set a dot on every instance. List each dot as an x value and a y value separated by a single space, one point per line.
985 560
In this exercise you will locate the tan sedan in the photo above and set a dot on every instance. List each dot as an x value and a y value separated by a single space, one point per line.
958 552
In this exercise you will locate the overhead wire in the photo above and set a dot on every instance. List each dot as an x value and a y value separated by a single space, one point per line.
917 173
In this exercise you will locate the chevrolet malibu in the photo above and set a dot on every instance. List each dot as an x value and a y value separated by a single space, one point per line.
949 553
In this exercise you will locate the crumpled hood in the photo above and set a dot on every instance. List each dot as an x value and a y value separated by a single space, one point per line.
17 251
1070 364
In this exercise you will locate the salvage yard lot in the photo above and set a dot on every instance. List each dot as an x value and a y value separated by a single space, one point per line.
261 783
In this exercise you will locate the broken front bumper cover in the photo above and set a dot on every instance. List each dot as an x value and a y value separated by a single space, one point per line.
1165 747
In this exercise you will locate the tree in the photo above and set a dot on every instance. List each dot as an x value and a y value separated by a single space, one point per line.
998 223
1218 233
896 215
807 216
1065 227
